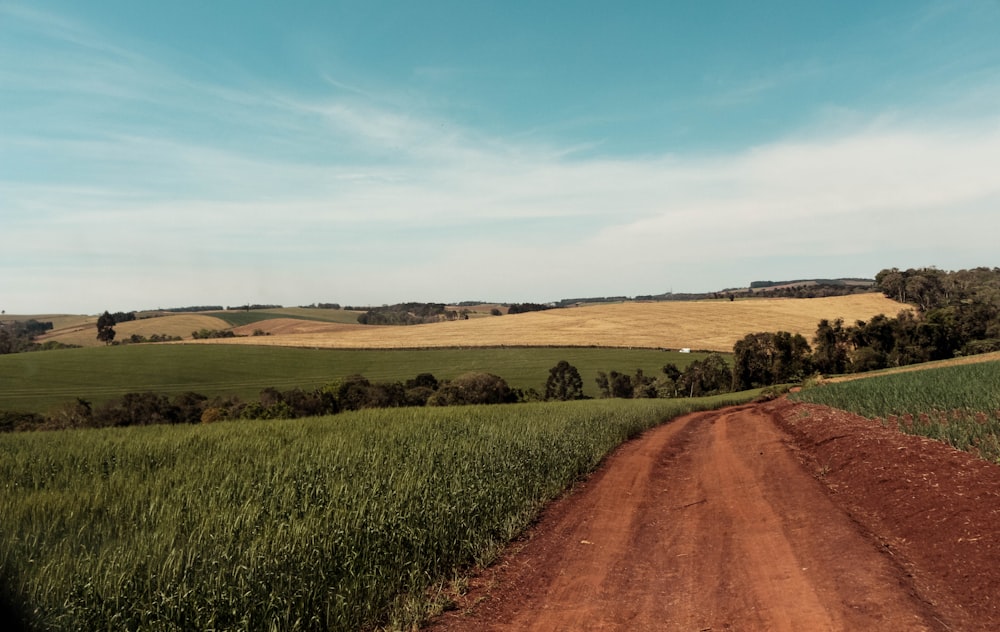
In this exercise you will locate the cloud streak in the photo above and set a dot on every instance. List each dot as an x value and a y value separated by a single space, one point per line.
269 195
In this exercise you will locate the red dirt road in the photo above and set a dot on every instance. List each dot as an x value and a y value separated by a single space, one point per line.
723 521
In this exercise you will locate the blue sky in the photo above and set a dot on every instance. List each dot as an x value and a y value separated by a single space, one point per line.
187 153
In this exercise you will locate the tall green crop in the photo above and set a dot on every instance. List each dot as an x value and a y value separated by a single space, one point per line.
334 523
957 404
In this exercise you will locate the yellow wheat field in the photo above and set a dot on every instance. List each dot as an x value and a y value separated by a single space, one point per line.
709 325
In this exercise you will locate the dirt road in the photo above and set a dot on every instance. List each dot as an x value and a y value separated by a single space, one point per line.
710 522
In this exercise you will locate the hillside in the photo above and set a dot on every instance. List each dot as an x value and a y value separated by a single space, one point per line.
83 331
707 325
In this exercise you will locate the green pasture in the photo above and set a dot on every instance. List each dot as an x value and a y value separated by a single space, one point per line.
959 404
337 523
42 381
238 318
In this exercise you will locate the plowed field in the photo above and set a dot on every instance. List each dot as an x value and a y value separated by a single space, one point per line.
779 516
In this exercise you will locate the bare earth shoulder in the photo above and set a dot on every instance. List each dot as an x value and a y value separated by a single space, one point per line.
703 325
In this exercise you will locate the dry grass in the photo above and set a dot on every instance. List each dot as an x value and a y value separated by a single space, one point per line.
85 334
709 325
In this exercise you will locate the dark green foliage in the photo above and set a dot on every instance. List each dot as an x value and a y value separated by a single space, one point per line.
644 386
353 393
407 314
981 346
140 339
19 336
710 376
426 380
474 388
669 383
194 308
11 421
765 358
523 308
615 384
106 328
190 406
830 356
138 409
564 382
122 317
324 306
203 334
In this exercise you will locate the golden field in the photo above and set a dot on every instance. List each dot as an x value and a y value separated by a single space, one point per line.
704 325
85 333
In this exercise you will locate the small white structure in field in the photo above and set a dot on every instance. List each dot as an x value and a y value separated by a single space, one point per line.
685 350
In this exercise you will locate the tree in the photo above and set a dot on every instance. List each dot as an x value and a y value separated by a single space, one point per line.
106 328
753 361
644 386
615 384
473 388
830 355
710 376
564 382
667 386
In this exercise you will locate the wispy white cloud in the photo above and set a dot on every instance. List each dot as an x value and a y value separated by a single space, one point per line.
267 195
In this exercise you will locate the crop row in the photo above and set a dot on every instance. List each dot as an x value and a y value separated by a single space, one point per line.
335 523
959 405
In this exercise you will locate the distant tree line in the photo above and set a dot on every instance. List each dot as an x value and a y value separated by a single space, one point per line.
19 337
708 376
355 392
141 339
205 334
522 308
850 281
194 308
818 290
958 313
410 314
122 317
322 306
569 302
248 307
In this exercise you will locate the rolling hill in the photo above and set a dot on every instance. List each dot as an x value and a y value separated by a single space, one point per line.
704 325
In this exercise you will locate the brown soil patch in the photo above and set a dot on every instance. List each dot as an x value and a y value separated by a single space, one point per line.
779 516
709 325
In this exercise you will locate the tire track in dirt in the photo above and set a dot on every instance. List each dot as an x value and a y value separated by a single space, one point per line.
706 523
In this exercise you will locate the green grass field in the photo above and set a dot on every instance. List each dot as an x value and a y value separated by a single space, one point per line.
959 405
335 523
42 381
238 318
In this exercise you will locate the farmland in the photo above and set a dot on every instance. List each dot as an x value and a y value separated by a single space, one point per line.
704 325
956 403
40 381
334 523
84 334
